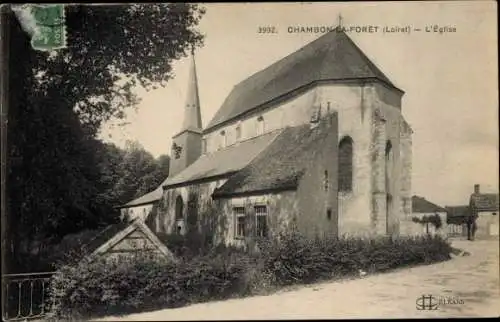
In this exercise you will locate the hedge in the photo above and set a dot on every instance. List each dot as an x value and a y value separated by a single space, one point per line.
144 283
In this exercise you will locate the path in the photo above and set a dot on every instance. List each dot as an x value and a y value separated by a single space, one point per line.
473 279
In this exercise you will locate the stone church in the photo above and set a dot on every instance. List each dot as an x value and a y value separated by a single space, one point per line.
316 140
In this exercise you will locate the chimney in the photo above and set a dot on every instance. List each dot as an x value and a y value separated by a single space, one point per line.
476 189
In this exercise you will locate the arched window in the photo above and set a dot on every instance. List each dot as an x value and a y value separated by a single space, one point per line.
260 125
179 215
388 165
238 132
223 139
345 164
388 189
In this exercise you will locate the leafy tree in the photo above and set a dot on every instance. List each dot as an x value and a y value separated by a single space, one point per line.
434 220
140 173
58 101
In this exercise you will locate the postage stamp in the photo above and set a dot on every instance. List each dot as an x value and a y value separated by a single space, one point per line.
45 23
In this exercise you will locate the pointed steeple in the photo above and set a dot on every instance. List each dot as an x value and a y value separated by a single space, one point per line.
192 114
186 145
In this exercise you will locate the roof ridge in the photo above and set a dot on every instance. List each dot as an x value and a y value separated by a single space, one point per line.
373 67
281 60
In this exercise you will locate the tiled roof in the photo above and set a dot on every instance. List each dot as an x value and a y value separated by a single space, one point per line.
457 214
421 205
282 164
485 201
149 197
333 56
457 211
228 160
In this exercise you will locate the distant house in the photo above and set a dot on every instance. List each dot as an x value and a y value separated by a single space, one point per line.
457 217
484 207
426 218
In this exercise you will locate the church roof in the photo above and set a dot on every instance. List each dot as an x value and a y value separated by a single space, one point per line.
485 201
149 197
282 164
333 56
421 205
232 158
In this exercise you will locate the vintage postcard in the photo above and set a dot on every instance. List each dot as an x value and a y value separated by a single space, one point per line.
250 161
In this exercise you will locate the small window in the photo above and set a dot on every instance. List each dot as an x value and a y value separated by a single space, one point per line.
494 214
204 146
179 215
261 221
325 181
238 132
260 125
329 214
239 219
223 139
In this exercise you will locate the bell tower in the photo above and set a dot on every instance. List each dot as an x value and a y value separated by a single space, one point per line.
186 145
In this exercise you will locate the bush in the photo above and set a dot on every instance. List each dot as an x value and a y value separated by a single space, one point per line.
141 283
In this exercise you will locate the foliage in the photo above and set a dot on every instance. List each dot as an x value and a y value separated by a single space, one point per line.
136 174
434 220
146 284
60 177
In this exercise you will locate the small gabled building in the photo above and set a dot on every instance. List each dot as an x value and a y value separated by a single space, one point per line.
117 242
426 218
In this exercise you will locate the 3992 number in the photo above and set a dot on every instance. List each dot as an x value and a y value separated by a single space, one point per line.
267 30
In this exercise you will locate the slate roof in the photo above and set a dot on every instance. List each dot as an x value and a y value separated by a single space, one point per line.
282 164
421 205
333 56
485 201
232 158
149 197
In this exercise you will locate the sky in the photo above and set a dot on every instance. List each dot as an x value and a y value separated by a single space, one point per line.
450 79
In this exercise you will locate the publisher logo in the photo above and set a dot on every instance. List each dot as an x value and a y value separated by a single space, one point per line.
427 302
431 303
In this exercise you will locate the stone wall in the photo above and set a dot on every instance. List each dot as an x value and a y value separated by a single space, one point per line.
216 217
406 167
317 191
386 128
370 114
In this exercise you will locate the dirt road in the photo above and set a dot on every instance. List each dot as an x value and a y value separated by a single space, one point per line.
470 284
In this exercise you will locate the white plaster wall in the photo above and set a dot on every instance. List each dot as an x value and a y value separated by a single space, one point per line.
487 223
352 103
135 212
